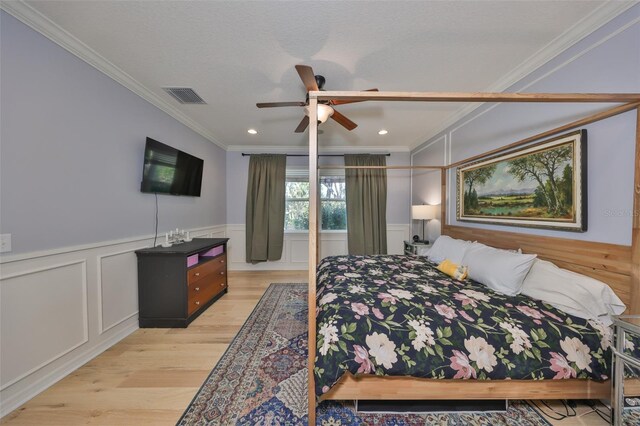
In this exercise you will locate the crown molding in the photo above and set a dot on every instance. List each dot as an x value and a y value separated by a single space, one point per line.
45 26
587 25
277 149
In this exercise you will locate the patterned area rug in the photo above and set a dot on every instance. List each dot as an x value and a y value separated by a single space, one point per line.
262 378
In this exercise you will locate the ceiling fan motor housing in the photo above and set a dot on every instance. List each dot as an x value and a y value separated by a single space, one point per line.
320 80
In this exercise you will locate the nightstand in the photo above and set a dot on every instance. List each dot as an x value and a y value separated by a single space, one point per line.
411 248
626 368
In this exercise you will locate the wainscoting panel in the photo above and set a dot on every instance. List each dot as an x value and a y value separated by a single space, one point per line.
331 244
299 248
61 308
396 235
117 288
43 316
295 254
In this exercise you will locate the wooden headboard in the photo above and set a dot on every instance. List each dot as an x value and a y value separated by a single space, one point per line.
609 263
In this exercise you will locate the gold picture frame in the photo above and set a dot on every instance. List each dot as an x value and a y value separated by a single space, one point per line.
543 185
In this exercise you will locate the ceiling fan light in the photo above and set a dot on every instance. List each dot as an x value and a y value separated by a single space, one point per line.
324 112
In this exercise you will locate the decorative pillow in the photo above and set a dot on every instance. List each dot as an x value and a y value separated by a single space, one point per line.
459 272
500 270
573 293
448 248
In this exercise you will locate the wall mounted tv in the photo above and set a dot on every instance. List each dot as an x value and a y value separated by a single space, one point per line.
170 171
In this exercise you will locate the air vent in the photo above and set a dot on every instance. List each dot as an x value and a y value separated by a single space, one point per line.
184 95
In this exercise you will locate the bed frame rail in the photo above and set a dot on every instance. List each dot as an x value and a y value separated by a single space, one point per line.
410 388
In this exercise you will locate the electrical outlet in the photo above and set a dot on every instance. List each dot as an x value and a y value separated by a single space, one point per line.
5 243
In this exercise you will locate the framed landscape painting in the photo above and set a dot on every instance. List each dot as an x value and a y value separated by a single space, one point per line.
543 185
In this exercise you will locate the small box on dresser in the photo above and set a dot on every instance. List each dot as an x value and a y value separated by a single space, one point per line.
176 284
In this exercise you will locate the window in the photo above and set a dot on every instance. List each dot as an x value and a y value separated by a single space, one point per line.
296 211
333 207
333 204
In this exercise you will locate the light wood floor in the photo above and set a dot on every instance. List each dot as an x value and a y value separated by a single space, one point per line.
150 377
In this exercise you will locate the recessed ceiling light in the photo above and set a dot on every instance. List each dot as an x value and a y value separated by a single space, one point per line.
252 131
383 132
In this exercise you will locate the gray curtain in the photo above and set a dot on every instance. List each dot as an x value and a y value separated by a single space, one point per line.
366 204
265 207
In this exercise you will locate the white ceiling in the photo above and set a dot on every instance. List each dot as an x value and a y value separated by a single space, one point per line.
237 53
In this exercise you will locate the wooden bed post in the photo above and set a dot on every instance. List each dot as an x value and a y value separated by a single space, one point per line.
443 200
635 236
313 251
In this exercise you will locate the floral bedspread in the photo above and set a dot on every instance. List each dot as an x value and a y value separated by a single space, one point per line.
400 316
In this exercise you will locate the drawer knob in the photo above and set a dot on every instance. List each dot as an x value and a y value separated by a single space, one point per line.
197 274
197 288
222 261
197 303
222 273
223 284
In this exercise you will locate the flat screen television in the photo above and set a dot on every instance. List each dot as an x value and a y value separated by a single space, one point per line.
170 171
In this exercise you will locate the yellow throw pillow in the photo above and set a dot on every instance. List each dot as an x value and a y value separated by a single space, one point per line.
459 272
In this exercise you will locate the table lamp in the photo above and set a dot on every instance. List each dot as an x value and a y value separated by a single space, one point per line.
423 212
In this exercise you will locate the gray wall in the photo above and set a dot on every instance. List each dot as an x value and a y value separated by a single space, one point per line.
606 61
398 181
72 143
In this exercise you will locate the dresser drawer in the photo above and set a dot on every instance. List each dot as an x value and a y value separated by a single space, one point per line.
202 291
216 266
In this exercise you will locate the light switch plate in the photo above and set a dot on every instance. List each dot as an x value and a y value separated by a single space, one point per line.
5 243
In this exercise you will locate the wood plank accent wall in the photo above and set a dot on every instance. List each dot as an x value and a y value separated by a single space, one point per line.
635 244
610 263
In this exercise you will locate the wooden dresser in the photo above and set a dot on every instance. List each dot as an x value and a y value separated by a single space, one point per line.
178 283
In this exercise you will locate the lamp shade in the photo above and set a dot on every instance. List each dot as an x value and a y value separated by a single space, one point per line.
324 112
424 212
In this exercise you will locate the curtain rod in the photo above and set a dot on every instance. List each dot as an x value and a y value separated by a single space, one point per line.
319 155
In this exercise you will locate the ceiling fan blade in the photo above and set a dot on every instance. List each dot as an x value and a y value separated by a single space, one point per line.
338 102
303 125
308 78
344 121
279 104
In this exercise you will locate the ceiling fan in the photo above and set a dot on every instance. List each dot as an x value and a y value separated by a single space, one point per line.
325 108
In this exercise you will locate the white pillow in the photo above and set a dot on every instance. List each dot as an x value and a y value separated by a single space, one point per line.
573 293
500 270
446 247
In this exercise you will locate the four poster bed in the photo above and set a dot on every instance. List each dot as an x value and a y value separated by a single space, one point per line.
616 265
